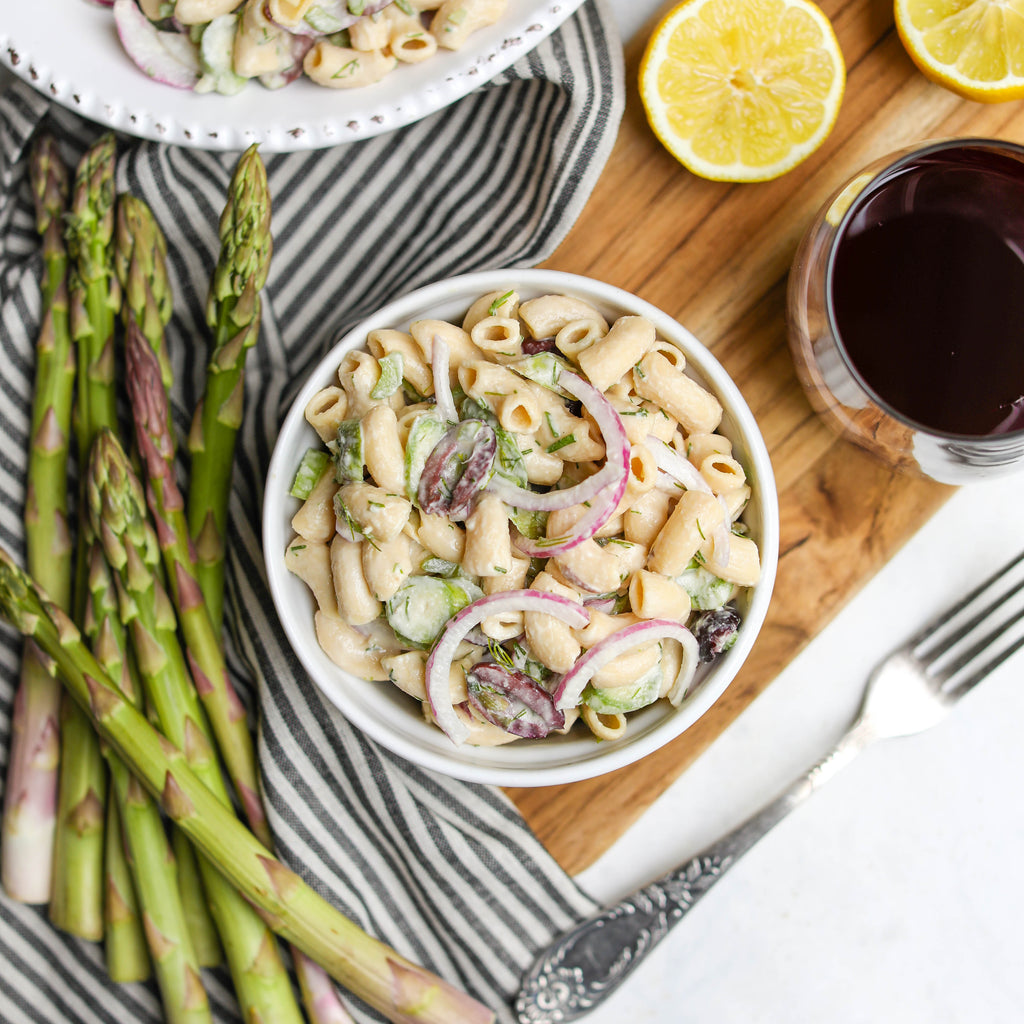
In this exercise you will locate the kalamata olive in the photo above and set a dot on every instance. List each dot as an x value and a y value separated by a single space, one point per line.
715 631
513 701
457 469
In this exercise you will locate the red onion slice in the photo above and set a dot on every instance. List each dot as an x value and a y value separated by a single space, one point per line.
167 57
455 631
571 686
439 361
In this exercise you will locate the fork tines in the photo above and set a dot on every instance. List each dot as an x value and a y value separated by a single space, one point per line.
987 621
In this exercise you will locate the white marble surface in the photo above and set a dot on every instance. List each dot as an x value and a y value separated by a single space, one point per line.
895 894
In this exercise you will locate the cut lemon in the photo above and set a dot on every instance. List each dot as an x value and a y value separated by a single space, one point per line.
742 90
974 47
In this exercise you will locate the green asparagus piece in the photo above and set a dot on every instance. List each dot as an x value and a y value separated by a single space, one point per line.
30 796
161 933
123 940
382 978
117 512
201 929
155 442
233 314
94 299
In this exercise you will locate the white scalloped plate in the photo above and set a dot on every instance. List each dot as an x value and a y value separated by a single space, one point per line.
69 51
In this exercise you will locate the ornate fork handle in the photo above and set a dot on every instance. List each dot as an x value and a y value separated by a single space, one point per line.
584 966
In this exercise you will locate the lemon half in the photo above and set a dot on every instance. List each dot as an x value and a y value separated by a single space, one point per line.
742 90
974 47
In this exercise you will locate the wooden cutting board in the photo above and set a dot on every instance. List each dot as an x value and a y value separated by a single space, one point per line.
716 256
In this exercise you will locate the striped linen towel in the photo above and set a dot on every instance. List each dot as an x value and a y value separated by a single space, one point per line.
446 872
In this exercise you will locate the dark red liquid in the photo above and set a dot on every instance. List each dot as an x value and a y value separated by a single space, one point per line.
928 291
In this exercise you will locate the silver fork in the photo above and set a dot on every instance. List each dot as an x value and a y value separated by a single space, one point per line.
910 690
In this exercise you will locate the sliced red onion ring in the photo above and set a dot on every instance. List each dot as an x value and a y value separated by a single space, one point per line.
440 660
571 686
439 360
167 57
678 468
603 490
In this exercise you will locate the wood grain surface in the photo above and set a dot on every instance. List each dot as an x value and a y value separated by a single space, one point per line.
716 257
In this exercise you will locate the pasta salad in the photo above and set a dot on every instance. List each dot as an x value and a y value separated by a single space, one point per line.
220 45
524 520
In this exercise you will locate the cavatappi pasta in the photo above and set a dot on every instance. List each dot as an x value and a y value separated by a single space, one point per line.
525 520
220 45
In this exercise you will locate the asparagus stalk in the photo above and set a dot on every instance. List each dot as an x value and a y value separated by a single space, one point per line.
201 929
233 314
161 932
155 441
148 397
117 513
94 297
30 798
397 988
123 939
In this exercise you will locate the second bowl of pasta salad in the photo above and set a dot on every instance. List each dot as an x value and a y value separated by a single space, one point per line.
521 527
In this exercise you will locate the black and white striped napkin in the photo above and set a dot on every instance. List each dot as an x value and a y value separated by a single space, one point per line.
445 871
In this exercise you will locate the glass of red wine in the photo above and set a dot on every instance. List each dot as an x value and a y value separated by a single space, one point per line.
905 309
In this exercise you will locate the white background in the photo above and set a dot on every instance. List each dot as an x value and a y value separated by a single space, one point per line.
896 894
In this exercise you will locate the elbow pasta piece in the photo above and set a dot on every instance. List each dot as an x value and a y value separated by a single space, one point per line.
312 564
629 557
386 565
408 671
643 473
697 447
412 45
460 346
519 414
590 567
356 605
358 375
441 537
643 521
656 379
693 520
722 473
653 596
628 667
546 315
289 13
736 501
326 411
743 566
576 336
626 343
514 579
382 449
315 519
501 304
260 47
673 353
603 726
500 337
348 648
377 514
341 67
415 369
198 12
488 550
551 639
601 626
541 468
372 32
671 664
457 20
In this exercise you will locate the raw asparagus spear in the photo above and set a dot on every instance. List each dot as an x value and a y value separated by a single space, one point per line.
233 314
30 797
155 442
117 512
94 299
397 988
123 941
163 933
140 261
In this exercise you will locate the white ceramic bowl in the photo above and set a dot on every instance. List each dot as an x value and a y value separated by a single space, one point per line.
394 719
